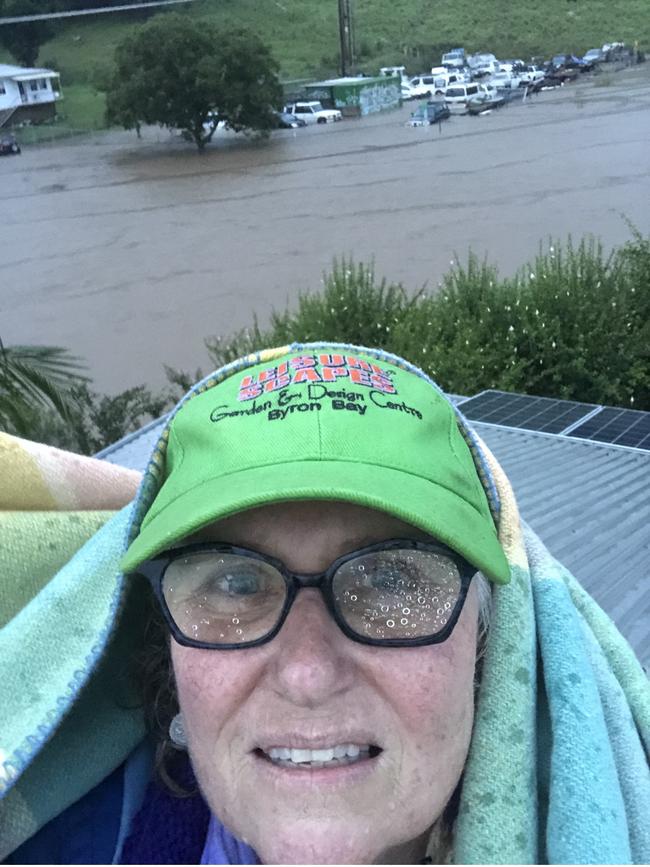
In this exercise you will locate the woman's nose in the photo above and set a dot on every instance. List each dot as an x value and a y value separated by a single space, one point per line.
313 660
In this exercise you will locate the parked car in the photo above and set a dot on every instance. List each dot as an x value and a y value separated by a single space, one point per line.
529 74
484 102
594 56
511 65
430 113
505 80
456 95
313 112
568 61
553 78
422 86
289 121
8 144
482 64
455 59
442 81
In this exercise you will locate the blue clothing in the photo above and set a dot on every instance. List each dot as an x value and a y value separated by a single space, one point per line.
122 821
222 848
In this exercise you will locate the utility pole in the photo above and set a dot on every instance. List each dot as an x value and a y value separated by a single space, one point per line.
345 37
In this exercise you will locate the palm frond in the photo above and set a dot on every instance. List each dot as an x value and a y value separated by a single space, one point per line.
36 376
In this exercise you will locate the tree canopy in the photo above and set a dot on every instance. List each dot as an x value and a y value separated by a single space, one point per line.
187 74
24 40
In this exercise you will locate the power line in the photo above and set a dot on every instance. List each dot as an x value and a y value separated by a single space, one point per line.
19 19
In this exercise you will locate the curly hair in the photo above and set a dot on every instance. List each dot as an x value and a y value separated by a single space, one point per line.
154 674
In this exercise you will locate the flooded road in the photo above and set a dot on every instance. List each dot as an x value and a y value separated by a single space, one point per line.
130 252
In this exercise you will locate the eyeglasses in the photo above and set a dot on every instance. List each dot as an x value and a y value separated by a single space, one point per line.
398 593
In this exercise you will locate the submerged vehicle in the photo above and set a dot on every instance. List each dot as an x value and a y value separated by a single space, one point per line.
430 113
284 120
483 102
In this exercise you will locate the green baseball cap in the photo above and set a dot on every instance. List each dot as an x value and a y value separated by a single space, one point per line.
321 423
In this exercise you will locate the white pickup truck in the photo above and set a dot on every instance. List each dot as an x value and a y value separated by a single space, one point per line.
313 112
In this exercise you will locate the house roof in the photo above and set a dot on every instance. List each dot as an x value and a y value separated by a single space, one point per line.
22 73
350 79
587 501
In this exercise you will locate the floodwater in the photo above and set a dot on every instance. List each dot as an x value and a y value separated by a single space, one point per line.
129 252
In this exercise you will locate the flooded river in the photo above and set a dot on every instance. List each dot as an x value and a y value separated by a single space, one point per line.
129 252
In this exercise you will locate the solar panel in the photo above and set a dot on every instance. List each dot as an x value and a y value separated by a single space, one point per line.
622 427
527 412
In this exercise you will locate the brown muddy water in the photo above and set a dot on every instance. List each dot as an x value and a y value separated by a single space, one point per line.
130 252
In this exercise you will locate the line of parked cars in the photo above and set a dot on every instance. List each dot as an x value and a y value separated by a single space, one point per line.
479 82
298 114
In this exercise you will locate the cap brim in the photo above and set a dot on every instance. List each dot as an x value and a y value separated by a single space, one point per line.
420 502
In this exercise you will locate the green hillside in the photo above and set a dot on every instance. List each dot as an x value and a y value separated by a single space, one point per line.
304 35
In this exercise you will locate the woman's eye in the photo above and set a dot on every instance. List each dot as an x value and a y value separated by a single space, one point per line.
238 585
386 578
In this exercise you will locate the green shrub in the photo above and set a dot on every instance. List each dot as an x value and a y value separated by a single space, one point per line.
574 323
351 308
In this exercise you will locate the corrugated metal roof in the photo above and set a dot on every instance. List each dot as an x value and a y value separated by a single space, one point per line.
587 501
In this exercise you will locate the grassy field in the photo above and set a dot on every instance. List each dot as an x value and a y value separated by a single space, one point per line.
304 36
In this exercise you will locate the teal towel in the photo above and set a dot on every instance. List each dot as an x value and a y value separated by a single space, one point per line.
557 769
63 670
631 763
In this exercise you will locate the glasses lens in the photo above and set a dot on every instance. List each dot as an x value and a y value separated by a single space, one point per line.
397 594
223 598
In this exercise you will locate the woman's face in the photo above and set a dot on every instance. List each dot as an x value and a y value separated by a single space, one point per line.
312 688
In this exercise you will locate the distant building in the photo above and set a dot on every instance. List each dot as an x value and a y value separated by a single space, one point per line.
358 96
27 94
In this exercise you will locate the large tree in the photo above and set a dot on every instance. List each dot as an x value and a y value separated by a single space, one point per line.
24 40
186 74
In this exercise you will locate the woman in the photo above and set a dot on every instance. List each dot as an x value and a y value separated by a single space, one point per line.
319 527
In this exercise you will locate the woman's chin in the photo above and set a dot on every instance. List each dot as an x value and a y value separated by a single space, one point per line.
311 843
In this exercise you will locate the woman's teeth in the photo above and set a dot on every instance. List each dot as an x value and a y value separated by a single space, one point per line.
331 757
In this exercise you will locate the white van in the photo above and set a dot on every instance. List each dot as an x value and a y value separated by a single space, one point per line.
422 85
456 95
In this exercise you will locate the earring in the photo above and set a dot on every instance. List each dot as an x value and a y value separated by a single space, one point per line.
177 732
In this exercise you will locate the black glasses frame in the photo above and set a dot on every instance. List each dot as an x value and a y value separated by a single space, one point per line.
154 571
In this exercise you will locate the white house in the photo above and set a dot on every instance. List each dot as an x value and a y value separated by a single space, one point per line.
27 94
